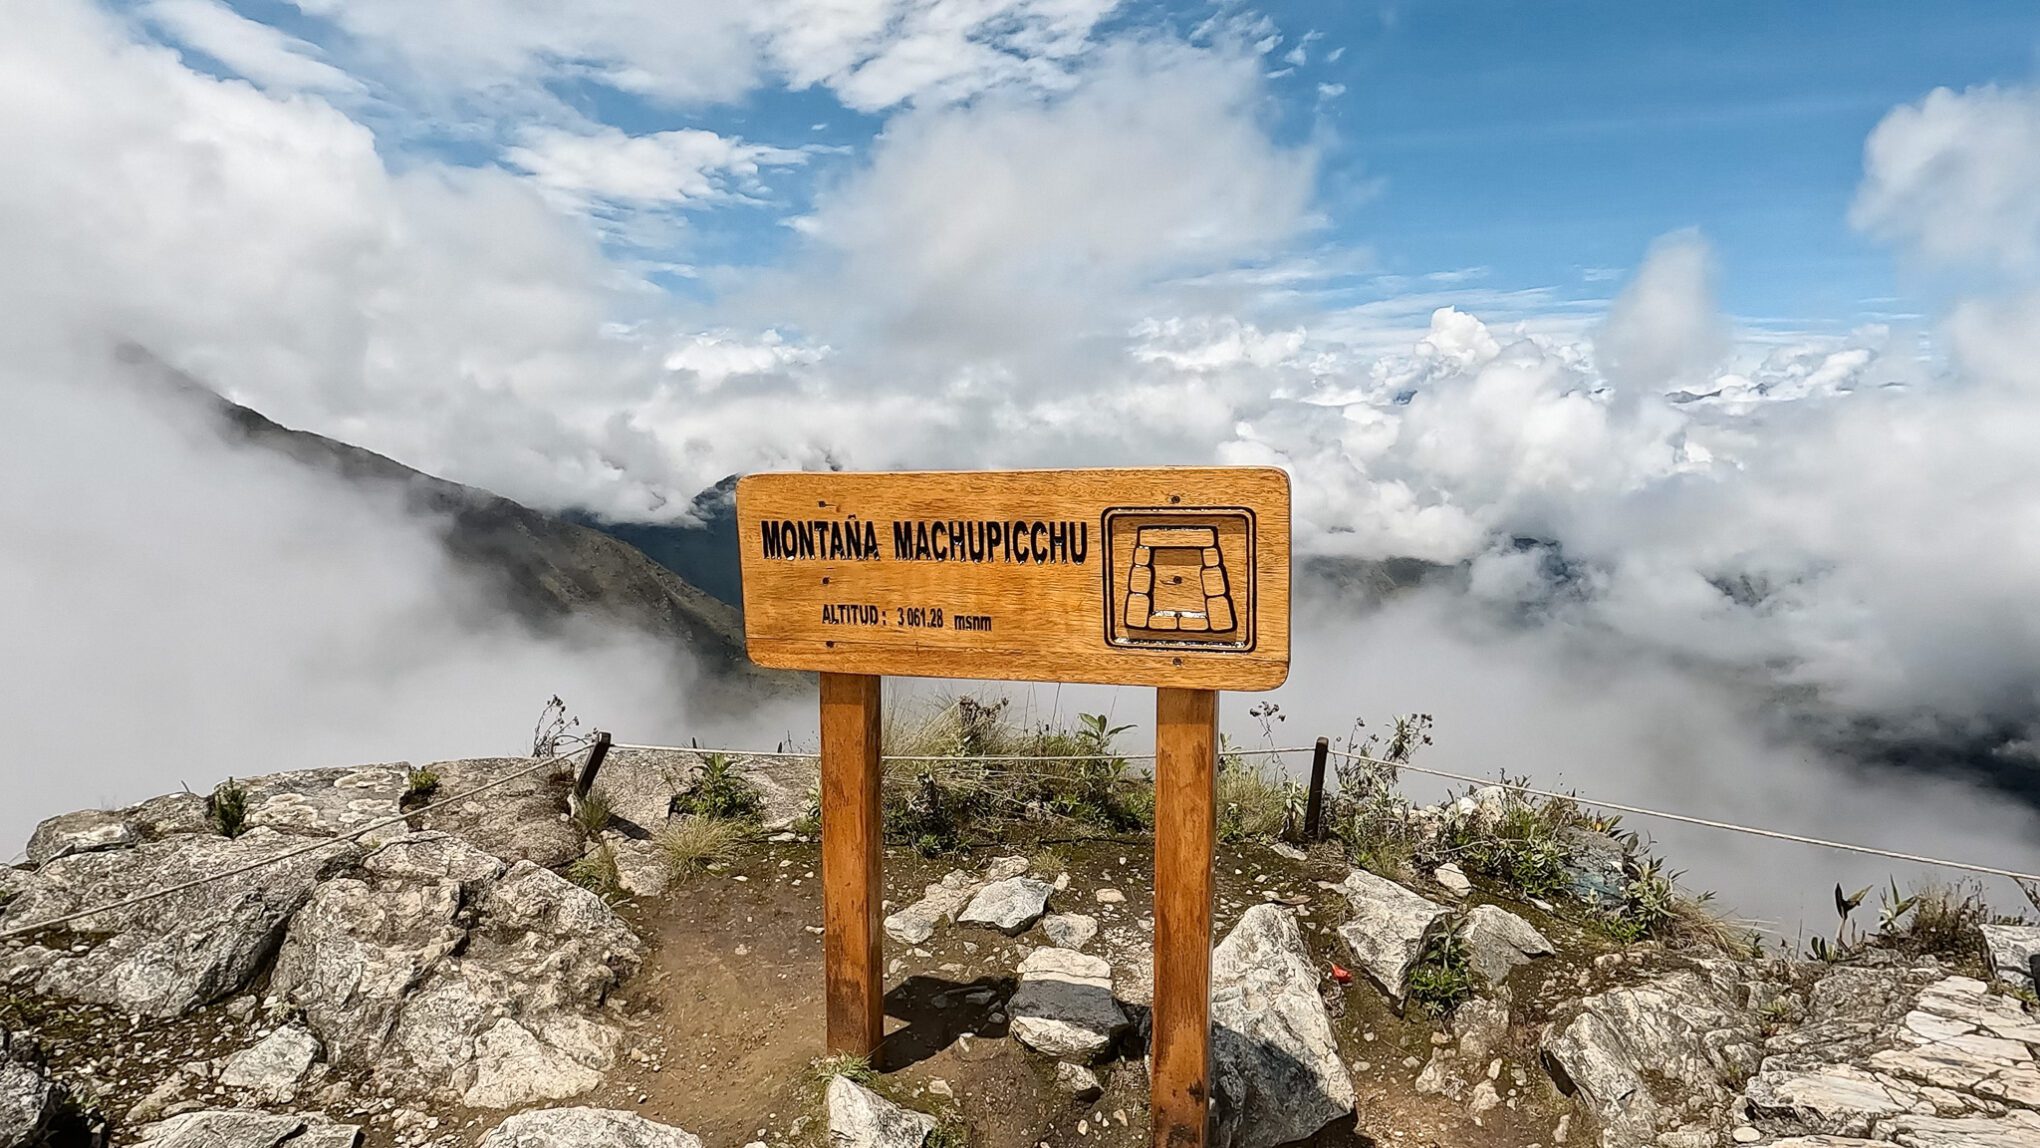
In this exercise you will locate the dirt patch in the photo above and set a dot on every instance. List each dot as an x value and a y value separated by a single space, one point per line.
727 1018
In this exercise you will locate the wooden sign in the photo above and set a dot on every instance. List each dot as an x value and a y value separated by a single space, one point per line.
1172 576
1176 578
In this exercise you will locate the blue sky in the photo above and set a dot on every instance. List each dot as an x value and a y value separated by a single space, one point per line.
1505 145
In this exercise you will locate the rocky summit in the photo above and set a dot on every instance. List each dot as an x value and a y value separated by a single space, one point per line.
513 970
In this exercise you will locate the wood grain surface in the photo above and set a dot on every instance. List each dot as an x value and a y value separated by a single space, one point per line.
1166 576
852 834
1186 826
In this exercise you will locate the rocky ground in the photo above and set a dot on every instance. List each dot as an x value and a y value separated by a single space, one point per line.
440 981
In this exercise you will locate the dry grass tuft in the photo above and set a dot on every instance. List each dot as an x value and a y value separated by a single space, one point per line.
692 843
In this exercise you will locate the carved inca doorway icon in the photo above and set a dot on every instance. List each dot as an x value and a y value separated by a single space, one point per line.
1180 576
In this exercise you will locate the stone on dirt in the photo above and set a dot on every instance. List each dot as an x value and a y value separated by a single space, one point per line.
943 900
586 1128
861 1118
270 1070
165 957
1388 928
241 1128
1069 930
1498 940
1276 1073
1064 1007
1010 906
1079 1082
1453 879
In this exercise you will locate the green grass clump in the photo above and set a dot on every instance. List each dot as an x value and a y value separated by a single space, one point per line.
719 791
226 808
591 814
1255 802
1442 978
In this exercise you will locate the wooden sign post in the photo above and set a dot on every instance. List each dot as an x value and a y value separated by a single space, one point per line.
1173 577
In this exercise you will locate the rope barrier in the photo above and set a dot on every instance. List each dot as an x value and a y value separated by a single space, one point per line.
1752 830
324 843
1599 803
809 755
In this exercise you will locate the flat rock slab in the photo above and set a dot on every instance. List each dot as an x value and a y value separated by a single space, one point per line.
1681 1029
1276 1070
861 1118
329 802
1064 1007
165 957
239 1128
1010 906
1388 928
85 831
441 971
586 1128
520 820
1498 940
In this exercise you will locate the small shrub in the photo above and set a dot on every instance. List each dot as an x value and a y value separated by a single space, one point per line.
719 791
947 1134
227 808
591 814
1937 920
1521 850
1442 978
419 787
695 842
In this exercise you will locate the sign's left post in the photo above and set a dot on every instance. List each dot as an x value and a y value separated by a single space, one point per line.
852 835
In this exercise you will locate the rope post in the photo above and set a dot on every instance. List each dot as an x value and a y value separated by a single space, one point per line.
1314 808
584 779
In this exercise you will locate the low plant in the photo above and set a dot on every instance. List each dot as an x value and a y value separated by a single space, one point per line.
591 813
1934 919
554 729
1521 849
226 808
419 786
596 872
823 1069
1442 977
719 791
1254 803
693 843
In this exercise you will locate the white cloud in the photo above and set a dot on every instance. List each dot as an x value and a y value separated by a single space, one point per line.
1015 228
1664 327
673 168
1958 176
872 53
257 51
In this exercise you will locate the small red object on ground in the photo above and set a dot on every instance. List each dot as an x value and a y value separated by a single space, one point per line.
1340 975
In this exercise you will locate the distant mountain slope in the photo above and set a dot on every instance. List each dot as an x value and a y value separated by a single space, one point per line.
704 555
545 568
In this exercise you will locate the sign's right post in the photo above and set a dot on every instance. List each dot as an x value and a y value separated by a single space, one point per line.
1186 820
